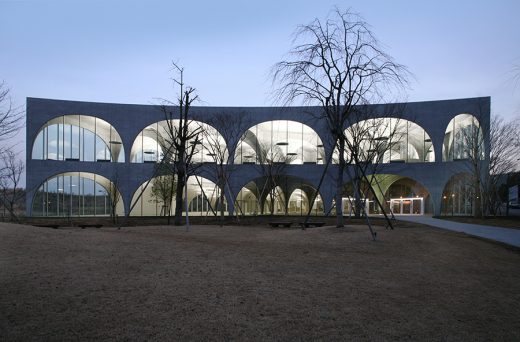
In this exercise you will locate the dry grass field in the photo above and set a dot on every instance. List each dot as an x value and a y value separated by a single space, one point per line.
255 283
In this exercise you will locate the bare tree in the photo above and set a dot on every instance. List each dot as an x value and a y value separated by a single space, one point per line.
503 158
215 144
372 140
337 64
181 142
272 162
10 172
114 196
162 192
469 146
11 118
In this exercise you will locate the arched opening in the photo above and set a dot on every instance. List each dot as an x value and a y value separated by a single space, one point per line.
463 139
153 142
77 194
265 196
247 202
387 140
300 200
78 138
398 194
157 198
280 141
459 196
406 196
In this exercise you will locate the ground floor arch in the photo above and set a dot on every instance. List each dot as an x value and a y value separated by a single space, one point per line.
156 197
72 194
283 195
459 196
397 194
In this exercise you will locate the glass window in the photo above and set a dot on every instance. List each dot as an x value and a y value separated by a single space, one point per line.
155 141
463 138
388 140
78 138
279 141
75 194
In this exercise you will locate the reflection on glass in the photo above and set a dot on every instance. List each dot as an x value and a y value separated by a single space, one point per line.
75 194
78 138
155 143
463 138
387 140
203 197
279 141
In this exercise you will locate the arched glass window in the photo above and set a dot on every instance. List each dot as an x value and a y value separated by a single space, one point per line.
78 138
77 194
463 139
459 196
272 195
387 140
158 196
299 203
247 202
280 141
397 194
155 141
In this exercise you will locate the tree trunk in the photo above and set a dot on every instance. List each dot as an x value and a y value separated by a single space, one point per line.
339 184
221 200
178 197
356 184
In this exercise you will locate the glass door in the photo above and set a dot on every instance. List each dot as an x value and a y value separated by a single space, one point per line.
407 206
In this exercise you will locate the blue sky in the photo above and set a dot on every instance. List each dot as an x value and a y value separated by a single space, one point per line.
120 51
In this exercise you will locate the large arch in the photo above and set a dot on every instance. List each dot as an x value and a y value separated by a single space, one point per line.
463 139
78 138
203 197
154 141
77 194
388 140
459 196
280 141
285 195
398 194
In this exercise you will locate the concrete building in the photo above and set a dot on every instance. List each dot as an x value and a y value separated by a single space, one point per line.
416 155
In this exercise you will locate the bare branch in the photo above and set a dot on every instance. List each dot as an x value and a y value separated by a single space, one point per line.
11 117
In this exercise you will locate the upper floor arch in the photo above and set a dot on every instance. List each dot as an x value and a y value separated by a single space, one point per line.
78 138
280 141
387 140
463 139
154 143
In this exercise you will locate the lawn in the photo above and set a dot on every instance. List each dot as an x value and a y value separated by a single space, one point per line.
256 283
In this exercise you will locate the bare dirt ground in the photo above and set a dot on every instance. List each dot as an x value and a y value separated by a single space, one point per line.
255 283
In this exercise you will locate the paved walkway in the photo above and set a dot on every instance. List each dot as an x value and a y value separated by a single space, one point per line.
505 235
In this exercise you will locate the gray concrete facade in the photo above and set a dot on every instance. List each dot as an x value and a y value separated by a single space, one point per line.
129 120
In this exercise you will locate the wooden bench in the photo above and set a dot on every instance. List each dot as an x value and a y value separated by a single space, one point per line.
83 226
311 224
277 224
